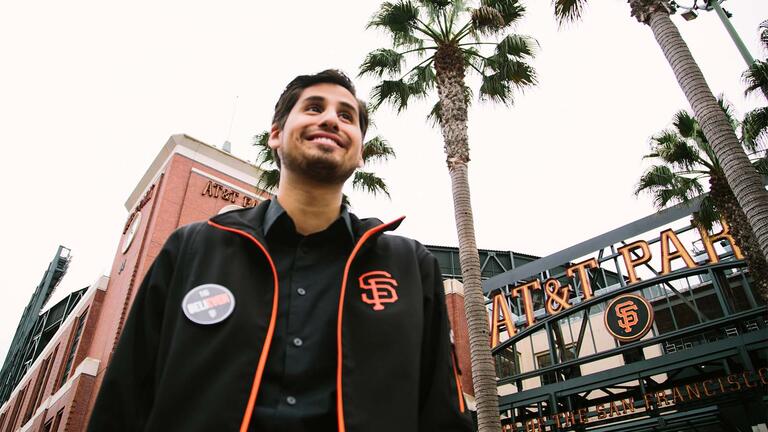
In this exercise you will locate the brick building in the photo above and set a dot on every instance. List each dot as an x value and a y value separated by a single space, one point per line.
188 181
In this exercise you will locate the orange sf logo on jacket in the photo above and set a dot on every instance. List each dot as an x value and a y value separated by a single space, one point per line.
380 288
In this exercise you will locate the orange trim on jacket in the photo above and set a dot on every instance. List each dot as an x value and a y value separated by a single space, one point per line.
339 395
459 390
270 331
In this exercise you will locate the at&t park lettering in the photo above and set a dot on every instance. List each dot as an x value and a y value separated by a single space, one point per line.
744 381
557 296
215 190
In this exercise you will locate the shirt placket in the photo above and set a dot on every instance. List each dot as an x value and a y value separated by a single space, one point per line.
299 294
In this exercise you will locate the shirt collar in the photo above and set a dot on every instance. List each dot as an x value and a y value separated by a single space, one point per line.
275 211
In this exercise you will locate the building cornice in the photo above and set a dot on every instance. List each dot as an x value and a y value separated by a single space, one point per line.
199 151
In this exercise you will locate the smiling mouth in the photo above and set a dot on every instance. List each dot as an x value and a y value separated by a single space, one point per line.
324 139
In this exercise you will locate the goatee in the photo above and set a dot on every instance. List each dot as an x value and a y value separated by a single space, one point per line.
320 169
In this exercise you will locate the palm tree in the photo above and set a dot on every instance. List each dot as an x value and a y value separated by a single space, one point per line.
739 173
686 160
446 40
375 149
755 124
754 128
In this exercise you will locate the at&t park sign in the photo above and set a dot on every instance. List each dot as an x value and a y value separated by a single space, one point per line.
557 297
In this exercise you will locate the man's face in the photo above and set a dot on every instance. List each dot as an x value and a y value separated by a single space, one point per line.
321 139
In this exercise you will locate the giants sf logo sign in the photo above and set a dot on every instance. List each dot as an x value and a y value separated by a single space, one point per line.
628 317
379 288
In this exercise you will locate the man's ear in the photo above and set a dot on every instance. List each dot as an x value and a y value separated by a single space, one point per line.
360 161
274 136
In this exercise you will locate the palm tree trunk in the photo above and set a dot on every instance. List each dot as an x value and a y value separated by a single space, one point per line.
726 203
449 68
742 178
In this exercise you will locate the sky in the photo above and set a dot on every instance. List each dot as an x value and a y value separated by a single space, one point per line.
90 91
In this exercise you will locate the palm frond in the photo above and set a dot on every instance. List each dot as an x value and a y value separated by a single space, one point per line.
377 149
754 128
399 20
269 179
567 11
487 20
380 62
473 58
435 10
422 78
655 176
495 88
728 109
518 46
370 183
264 155
685 124
756 77
396 93
707 214
439 4
510 10
666 186
435 115
761 165
672 148
512 71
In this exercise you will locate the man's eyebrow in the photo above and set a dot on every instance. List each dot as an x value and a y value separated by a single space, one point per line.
320 99
314 99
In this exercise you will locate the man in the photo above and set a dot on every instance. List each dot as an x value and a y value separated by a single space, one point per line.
294 315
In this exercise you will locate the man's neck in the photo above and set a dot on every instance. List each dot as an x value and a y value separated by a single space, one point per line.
312 207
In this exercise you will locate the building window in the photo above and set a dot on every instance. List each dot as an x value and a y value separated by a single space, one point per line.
16 409
507 363
40 384
48 426
544 360
35 391
73 348
51 360
57 422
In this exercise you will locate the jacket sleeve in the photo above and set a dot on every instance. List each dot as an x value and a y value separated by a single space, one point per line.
127 392
442 404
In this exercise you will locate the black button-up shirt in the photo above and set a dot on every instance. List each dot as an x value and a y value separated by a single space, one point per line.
298 391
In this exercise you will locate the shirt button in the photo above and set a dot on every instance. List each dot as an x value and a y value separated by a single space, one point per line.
290 400
301 291
298 342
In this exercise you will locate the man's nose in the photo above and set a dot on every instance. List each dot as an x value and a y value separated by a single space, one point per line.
330 120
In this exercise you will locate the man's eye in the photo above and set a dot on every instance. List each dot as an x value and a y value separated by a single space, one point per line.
314 108
346 116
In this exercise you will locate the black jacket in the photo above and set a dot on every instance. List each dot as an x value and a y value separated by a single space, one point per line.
396 371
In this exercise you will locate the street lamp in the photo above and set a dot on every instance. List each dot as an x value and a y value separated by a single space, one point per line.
690 14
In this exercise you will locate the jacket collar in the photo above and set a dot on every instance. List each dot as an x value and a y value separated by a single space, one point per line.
251 220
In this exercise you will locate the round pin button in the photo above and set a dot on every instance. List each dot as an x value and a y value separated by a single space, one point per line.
290 400
298 342
301 291
208 304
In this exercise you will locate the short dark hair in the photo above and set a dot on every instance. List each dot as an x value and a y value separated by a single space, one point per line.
293 90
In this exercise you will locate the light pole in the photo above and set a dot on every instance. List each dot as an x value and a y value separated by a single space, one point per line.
709 5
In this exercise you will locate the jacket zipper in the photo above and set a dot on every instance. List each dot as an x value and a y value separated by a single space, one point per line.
339 395
270 330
